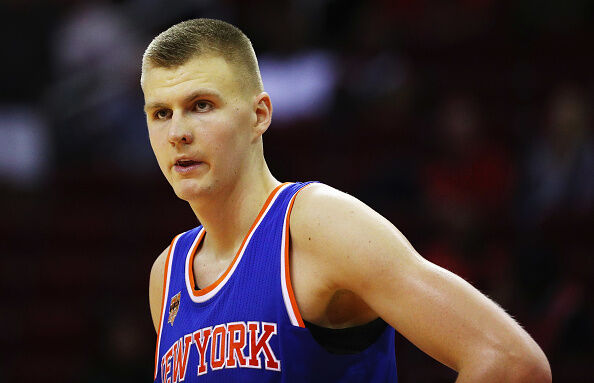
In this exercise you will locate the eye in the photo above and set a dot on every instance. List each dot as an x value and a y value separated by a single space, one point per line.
162 114
203 106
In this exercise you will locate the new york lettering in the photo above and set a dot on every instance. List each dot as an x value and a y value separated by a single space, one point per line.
229 345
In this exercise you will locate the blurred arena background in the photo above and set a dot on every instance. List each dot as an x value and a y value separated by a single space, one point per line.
467 123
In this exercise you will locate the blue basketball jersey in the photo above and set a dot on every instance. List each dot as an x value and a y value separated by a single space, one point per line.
246 326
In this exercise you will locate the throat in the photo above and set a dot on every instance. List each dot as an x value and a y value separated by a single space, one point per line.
208 268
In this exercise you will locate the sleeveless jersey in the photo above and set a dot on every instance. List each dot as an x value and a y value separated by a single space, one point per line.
246 326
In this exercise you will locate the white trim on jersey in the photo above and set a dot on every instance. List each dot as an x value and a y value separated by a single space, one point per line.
284 261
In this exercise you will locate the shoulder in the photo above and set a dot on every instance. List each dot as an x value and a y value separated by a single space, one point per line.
158 268
156 283
336 228
319 204
323 210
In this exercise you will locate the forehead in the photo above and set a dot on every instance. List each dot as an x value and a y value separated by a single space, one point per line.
204 72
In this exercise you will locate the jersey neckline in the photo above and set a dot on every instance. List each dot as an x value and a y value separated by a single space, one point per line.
204 294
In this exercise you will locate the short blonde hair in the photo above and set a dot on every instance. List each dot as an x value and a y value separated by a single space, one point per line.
202 37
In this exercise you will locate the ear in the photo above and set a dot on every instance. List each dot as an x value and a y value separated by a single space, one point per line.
263 110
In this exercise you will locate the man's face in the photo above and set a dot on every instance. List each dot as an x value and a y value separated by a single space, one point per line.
199 121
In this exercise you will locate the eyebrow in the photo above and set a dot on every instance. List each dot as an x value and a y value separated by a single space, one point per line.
202 92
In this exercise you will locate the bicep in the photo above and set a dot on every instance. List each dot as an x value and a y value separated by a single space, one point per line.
156 287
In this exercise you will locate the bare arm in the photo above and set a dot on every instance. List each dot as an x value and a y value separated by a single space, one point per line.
438 311
156 287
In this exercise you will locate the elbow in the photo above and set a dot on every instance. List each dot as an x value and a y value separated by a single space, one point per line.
513 367
528 366
535 369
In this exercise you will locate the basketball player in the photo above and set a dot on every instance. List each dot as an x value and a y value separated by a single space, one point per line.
289 282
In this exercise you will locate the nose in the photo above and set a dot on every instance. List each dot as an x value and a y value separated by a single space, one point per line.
179 132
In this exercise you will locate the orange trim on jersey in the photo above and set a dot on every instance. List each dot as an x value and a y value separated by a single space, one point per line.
208 289
287 272
165 277
191 262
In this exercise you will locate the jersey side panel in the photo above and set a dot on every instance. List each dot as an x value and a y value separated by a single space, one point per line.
166 277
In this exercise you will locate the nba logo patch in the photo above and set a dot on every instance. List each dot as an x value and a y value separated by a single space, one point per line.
173 308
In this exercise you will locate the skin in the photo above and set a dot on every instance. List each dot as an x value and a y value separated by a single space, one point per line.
349 265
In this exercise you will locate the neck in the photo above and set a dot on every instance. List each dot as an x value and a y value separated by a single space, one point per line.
227 215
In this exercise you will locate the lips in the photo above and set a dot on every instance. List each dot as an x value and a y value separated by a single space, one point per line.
184 163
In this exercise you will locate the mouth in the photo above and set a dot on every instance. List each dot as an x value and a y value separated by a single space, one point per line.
184 166
186 163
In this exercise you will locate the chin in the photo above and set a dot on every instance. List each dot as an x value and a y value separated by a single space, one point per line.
189 191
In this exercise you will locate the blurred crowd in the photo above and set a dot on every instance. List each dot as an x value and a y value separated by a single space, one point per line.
467 123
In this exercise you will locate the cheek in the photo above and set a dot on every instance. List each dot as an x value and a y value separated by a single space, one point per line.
229 151
224 145
225 136
158 143
158 135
